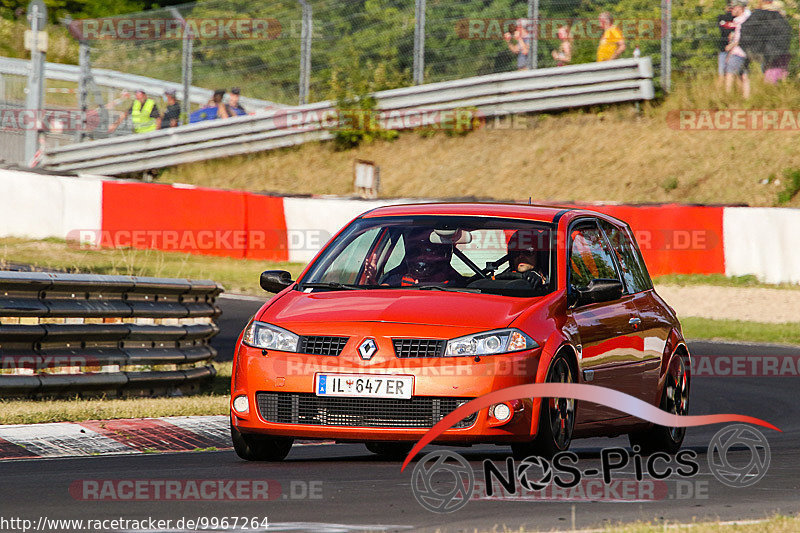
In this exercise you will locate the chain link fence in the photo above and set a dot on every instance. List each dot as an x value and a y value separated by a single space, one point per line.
287 52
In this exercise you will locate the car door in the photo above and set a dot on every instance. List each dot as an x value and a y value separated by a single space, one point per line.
655 323
610 345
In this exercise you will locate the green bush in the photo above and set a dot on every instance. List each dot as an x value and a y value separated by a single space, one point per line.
791 185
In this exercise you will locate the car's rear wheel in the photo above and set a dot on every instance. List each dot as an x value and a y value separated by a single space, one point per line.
393 451
252 447
675 400
556 418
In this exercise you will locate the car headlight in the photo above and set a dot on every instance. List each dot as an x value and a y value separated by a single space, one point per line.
490 342
269 337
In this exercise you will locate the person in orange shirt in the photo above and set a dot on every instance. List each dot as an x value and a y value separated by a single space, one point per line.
612 43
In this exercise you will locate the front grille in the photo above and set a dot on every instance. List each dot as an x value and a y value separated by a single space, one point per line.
419 347
322 345
304 408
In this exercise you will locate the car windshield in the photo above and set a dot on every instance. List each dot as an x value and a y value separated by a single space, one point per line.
452 253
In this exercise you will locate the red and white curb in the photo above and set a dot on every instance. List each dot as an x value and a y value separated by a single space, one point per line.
111 437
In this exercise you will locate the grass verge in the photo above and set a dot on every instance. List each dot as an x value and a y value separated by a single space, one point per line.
720 280
236 275
603 154
740 330
76 409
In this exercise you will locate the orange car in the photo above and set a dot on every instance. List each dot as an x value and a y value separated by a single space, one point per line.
412 310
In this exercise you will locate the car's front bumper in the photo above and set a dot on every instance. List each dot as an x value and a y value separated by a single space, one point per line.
461 378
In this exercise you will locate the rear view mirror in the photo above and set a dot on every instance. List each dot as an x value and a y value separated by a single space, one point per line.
275 280
599 290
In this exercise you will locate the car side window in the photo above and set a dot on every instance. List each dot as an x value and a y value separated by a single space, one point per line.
634 271
590 256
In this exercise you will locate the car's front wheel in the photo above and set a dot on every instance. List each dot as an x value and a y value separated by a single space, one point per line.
675 400
252 447
556 418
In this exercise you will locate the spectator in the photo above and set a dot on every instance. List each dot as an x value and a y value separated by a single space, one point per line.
144 115
233 102
517 37
725 24
612 43
767 35
216 102
563 55
172 115
737 64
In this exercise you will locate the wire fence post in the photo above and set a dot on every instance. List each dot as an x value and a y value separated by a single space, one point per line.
306 32
186 64
188 43
84 54
419 42
666 45
533 34
37 43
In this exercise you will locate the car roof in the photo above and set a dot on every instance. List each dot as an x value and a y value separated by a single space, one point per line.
539 213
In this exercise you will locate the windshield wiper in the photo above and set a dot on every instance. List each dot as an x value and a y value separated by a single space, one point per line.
329 285
445 289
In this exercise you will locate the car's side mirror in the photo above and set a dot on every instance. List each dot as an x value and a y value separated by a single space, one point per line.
599 290
275 280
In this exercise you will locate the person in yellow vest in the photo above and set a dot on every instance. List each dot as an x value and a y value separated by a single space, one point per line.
612 43
144 115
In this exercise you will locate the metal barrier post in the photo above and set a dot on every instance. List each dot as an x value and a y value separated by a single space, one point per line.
666 44
419 42
306 33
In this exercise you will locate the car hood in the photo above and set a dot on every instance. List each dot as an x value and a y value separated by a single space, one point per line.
435 308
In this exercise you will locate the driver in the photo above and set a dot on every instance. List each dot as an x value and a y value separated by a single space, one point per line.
424 262
525 258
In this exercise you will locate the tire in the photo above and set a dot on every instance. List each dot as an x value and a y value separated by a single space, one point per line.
392 451
252 447
675 400
556 418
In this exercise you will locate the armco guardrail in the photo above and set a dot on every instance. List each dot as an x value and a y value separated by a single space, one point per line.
121 81
91 334
546 89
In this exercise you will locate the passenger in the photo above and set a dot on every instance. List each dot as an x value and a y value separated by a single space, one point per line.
425 262
527 258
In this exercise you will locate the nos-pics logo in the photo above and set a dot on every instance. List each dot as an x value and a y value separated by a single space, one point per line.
443 481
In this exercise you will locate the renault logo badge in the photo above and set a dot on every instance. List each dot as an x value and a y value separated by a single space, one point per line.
367 349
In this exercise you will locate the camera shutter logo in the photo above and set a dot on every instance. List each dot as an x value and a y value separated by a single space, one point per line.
729 438
367 349
530 481
455 487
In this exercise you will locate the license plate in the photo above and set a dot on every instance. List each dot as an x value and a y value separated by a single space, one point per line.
360 385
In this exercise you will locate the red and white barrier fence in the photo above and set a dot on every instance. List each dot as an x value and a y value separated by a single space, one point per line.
675 239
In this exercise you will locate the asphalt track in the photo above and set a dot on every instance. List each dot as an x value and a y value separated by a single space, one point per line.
358 490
